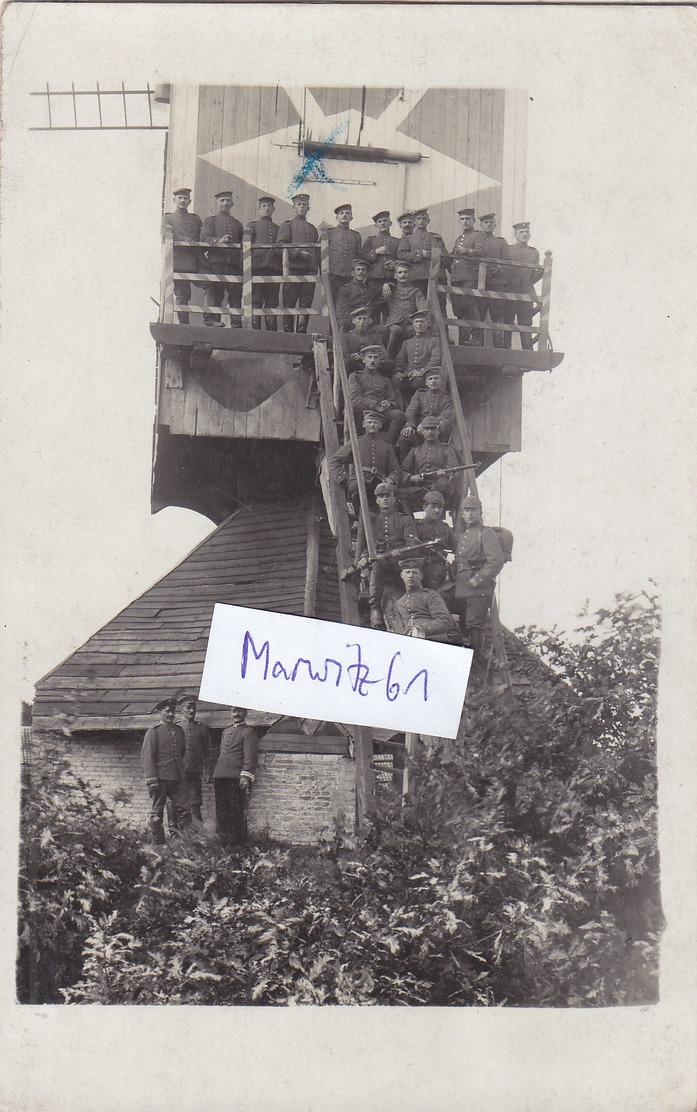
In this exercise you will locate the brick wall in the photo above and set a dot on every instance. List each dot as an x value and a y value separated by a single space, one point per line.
297 798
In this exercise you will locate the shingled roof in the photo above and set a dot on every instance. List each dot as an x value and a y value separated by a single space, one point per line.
269 556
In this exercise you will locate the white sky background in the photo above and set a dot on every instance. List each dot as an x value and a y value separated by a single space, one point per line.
600 497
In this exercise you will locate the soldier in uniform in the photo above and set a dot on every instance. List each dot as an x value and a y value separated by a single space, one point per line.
186 227
197 754
478 561
432 527
390 530
423 612
344 246
265 295
496 275
371 391
363 332
233 776
301 260
162 758
417 249
432 401
220 231
404 300
469 247
380 250
378 460
418 353
522 281
431 456
356 293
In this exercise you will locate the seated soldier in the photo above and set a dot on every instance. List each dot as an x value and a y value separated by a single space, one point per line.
479 560
423 612
356 293
378 461
404 300
427 467
363 332
391 530
370 390
432 527
420 351
434 401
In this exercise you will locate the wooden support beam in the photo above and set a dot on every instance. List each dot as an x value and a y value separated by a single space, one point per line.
546 293
312 559
411 742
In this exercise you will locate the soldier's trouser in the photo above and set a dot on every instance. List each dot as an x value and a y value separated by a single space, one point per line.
371 482
182 296
265 296
381 573
473 612
229 810
435 573
523 310
467 308
195 799
495 309
297 295
213 299
397 334
450 488
180 793
336 281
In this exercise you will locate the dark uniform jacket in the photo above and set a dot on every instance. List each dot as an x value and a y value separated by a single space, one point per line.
238 752
224 260
497 277
419 352
353 341
376 456
521 281
469 245
479 555
429 403
411 249
298 230
430 457
197 755
353 295
402 302
390 530
429 530
344 246
367 390
162 755
264 230
185 225
426 610
381 265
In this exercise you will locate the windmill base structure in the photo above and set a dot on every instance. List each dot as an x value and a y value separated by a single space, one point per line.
248 416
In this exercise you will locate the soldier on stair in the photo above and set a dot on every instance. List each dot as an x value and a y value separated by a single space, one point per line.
363 332
378 461
423 611
370 390
265 295
432 401
418 352
186 227
220 231
418 248
301 260
344 246
162 758
391 530
432 527
478 561
380 251
357 293
404 300
422 464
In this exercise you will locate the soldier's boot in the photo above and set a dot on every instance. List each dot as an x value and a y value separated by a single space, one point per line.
302 325
212 322
183 318
271 325
377 620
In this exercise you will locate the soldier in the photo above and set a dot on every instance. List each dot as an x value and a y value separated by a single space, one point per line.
197 754
186 227
221 230
404 300
233 776
406 224
263 231
418 353
431 456
423 612
522 281
390 530
301 260
380 250
432 401
378 460
162 758
464 275
417 249
479 560
496 276
432 527
344 246
355 294
370 390
363 331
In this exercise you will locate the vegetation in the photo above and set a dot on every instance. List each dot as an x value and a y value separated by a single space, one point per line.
524 870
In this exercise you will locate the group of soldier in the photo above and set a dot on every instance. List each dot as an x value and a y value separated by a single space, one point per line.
385 274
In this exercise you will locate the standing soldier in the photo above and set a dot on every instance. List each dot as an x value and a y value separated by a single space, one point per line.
162 758
197 754
186 227
478 561
221 231
522 281
432 527
380 250
390 530
301 260
233 776
404 300
496 275
417 249
263 231
344 246
378 460
469 247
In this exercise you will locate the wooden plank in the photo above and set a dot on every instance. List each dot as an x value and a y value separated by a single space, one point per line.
231 339
297 743
311 560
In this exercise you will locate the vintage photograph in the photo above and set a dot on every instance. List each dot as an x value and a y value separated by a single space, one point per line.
386 349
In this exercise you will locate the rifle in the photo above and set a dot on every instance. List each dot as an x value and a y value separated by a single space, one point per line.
393 554
442 471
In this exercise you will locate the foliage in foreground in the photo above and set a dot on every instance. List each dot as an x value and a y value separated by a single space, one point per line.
523 872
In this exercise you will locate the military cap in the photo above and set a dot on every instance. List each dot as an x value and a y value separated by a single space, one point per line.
266 201
489 216
301 197
471 502
385 488
429 423
362 310
420 314
379 215
465 212
182 189
420 212
373 347
223 193
402 262
411 562
521 224
164 704
405 216
185 698
432 371
372 413
434 496
360 262
340 208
